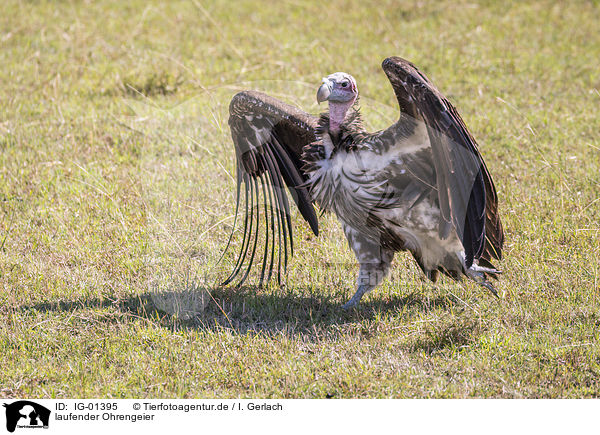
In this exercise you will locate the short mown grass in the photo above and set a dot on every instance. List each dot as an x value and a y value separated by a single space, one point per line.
117 195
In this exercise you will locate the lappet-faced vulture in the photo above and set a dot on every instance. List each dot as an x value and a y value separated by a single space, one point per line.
420 185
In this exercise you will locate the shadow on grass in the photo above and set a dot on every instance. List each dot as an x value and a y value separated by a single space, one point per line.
250 310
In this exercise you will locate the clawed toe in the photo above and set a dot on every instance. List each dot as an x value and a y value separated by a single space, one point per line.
477 274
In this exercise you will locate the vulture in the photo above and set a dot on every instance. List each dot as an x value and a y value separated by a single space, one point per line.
420 185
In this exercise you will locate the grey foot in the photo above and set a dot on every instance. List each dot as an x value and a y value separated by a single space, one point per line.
476 273
353 302
490 287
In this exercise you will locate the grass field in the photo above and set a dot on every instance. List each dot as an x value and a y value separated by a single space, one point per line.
116 199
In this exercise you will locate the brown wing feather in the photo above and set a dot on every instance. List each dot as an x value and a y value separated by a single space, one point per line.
455 154
268 136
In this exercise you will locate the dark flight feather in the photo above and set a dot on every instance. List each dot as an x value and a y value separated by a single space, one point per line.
268 136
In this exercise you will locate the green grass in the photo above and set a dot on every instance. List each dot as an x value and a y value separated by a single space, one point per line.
116 199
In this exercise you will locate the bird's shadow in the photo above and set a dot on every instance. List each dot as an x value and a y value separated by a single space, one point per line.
250 310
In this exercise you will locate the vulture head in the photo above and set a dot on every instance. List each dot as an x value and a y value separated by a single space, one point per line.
340 90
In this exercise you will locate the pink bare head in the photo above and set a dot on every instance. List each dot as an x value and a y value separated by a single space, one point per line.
340 90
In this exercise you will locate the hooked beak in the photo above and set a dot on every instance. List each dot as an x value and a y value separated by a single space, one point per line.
324 91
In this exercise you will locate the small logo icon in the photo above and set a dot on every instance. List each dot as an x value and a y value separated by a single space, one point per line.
26 414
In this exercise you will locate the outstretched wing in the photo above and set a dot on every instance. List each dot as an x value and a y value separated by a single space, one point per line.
268 136
466 192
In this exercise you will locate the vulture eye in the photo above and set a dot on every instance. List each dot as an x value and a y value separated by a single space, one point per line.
344 84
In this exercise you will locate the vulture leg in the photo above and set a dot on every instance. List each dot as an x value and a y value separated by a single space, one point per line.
374 261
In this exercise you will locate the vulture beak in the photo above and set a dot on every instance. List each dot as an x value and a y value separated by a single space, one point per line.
324 91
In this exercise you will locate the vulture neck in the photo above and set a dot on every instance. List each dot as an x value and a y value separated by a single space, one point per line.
337 114
346 133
